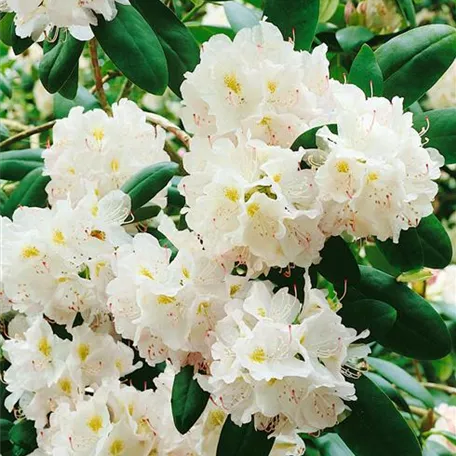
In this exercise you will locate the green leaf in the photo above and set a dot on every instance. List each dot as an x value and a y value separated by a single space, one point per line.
6 23
69 90
5 426
143 378
327 10
30 192
352 38
408 11
15 164
188 400
143 186
414 61
296 19
23 434
146 212
376 424
378 260
292 279
365 72
5 86
442 131
59 62
180 48
19 44
308 139
435 243
332 445
203 32
62 106
134 48
239 16
419 332
338 263
377 316
243 440
407 254
402 380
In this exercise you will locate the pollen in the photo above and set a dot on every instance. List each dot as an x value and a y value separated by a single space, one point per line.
94 210
146 273
65 385
232 83
163 299
216 418
98 134
342 166
58 237
95 423
232 194
101 235
71 170
118 364
203 307
44 347
258 356
261 311
373 176
83 351
117 447
252 209
265 121
277 178
115 165
185 272
234 289
30 251
63 279
98 267
131 409
272 86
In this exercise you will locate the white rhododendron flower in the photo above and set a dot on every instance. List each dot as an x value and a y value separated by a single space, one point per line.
33 17
377 178
57 261
94 151
443 94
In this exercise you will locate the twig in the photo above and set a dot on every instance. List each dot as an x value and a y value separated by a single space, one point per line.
97 76
418 410
125 91
106 78
13 124
417 370
181 135
27 134
437 386
192 12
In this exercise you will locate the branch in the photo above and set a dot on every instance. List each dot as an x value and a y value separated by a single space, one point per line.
418 411
437 386
181 135
106 78
127 86
97 76
26 134
13 124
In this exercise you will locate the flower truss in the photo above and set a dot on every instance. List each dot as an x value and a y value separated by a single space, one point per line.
35 17
253 202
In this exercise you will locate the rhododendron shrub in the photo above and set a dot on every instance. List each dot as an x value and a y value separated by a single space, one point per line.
221 279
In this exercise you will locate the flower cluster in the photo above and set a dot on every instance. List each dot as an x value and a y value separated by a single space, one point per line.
247 193
92 151
33 17
57 261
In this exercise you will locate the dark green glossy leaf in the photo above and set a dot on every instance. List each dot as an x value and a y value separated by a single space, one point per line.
146 212
23 434
243 440
352 38
365 72
19 44
5 426
69 90
414 61
30 192
407 254
308 139
402 380
5 28
376 424
408 11
59 62
441 132
338 263
5 86
15 164
332 445
296 19
378 260
377 316
181 49
203 32
239 16
143 378
133 46
188 400
419 332
143 186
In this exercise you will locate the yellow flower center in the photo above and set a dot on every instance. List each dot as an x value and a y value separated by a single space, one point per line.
95 423
252 209
373 176
58 237
216 418
30 251
83 351
98 134
101 235
234 289
185 272
65 385
265 121
203 307
277 178
146 273
272 86
261 311
232 194
232 83
258 355
342 166
115 165
163 299
44 347
117 447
